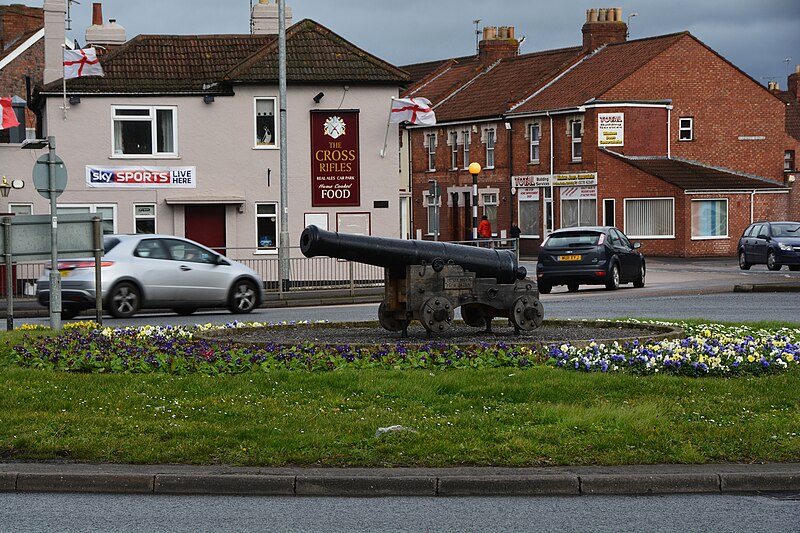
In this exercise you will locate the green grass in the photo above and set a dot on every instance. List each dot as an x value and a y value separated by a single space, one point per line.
509 417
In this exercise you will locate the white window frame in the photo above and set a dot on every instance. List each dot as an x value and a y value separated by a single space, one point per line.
258 138
137 216
27 208
576 141
490 198
430 144
465 140
92 209
269 250
686 129
521 208
491 139
453 136
697 202
431 207
613 211
152 118
534 138
634 235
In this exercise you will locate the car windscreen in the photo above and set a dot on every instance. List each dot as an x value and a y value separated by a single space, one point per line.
573 239
109 243
786 229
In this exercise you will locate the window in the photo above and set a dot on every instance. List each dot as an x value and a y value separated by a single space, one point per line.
490 147
465 139
685 129
151 249
454 150
145 130
534 131
267 226
576 131
20 209
709 219
788 161
186 251
609 212
265 123
430 142
489 201
144 218
650 217
431 203
108 212
578 212
528 214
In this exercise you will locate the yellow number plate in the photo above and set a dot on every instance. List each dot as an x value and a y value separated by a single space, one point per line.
569 257
64 273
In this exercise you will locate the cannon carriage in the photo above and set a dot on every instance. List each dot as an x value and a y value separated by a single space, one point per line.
429 280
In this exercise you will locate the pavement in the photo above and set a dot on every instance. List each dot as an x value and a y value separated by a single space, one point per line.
724 478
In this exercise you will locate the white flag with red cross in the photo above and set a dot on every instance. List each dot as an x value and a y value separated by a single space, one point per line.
82 62
413 110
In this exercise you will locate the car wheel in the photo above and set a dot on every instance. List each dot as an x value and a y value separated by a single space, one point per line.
125 300
69 312
612 283
573 287
772 261
743 264
243 297
184 311
544 288
639 281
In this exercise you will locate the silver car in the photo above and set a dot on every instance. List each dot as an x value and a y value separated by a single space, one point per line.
155 271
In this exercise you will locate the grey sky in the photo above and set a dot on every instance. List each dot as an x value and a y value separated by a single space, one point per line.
756 36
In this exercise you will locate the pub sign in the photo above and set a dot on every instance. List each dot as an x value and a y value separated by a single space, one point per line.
335 175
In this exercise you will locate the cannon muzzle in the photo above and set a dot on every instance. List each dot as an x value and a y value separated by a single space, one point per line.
396 254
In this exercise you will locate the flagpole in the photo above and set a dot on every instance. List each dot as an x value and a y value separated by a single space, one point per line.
64 82
388 123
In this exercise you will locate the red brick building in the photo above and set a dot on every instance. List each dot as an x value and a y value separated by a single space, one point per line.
662 137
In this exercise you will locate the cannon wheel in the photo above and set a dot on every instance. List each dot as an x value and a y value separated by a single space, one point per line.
388 322
526 313
436 314
473 316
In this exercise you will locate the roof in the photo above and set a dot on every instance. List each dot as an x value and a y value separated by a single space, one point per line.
692 175
210 64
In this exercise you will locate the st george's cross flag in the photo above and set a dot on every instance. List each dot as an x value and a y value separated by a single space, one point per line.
7 117
81 62
413 110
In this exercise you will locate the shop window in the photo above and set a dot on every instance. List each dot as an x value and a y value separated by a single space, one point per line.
265 134
686 129
529 217
710 219
578 212
534 132
144 218
107 212
576 132
650 217
267 226
144 130
490 138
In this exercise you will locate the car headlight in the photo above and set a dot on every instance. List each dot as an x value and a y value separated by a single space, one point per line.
785 247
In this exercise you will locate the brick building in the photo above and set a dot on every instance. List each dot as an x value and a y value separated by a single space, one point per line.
661 136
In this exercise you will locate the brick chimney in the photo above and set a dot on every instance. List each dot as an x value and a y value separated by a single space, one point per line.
264 18
794 82
497 43
105 36
603 26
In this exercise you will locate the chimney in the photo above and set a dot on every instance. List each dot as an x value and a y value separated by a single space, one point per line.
55 11
104 35
603 26
264 18
794 83
497 43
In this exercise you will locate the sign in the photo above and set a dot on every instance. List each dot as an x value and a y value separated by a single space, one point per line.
528 195
135 177
610 129
31 236
335 161
41 175
579 193
571 180
541 180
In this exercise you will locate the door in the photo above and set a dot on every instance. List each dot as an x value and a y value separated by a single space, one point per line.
200 280
206 224
628 257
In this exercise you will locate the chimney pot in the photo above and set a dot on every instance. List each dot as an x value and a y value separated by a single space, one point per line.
97 14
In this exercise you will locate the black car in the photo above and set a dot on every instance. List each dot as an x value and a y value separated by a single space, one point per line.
589 255
772 243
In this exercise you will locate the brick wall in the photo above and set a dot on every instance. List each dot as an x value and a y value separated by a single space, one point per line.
18 19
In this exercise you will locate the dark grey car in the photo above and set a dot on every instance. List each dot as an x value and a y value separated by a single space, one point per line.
770 243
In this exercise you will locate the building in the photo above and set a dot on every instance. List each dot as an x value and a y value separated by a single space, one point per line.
661 136
181 134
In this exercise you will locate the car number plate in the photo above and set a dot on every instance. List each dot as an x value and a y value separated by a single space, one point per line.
64 273
569 257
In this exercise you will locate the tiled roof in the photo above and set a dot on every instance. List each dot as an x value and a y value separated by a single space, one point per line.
598 73
691 175
418 71
208 64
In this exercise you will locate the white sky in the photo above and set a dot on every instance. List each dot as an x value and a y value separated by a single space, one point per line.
756 36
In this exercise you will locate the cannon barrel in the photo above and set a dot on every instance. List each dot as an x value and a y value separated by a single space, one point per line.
396 254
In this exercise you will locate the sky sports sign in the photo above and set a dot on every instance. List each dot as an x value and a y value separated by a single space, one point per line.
142 177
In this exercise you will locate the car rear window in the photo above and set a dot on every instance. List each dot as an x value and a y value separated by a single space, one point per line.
573 239
109 243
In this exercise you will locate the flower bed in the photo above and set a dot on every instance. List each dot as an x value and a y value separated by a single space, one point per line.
708 349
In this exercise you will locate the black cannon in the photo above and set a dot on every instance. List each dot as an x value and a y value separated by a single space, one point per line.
428 280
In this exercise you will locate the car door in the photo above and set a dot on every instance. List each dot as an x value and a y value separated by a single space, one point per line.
758 244
201 281
154 270
628 257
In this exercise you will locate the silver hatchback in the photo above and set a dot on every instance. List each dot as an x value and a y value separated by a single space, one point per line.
154 271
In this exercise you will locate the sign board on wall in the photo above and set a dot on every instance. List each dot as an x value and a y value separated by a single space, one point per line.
528 195
135 177
610 129
541 180
335 174
557 180
579 193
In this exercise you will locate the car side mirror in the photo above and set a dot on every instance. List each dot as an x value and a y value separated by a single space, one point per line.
637 245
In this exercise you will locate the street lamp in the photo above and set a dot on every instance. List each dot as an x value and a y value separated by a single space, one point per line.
474 169
6 187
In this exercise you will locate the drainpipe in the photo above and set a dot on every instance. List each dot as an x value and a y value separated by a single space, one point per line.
752 204
552 197
669 145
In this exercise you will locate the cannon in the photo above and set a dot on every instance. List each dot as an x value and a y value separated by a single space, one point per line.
428 280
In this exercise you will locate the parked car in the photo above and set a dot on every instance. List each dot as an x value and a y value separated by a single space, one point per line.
154 271
589 255
771 243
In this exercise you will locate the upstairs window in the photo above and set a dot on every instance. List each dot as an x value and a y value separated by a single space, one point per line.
788 161
465 140
686 129
453 150
534 132
430 141
145 130
490 137
576 131
265 135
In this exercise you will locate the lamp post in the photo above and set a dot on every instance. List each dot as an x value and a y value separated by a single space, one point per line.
474 169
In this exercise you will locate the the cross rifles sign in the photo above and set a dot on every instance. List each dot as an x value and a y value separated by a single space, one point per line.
335 175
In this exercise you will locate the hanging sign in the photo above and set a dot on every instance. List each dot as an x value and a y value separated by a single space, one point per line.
335 175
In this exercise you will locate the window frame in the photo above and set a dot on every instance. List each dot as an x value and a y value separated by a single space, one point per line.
576 141
152 118
12 208
789 161
137 217
465 147
431 206
685 128
697 201
491 140
266 249
273 143
92 209
453 150
430 144
534 141
490 199
634 235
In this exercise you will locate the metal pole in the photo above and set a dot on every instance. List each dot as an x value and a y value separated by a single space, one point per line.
475 207
55 276
283 249
9 274
97 230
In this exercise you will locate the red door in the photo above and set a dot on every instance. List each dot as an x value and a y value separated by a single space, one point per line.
206 225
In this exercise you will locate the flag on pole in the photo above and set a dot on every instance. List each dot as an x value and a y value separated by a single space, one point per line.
81 62
413 110
7 117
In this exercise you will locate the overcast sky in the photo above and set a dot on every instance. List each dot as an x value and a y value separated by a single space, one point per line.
758 36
